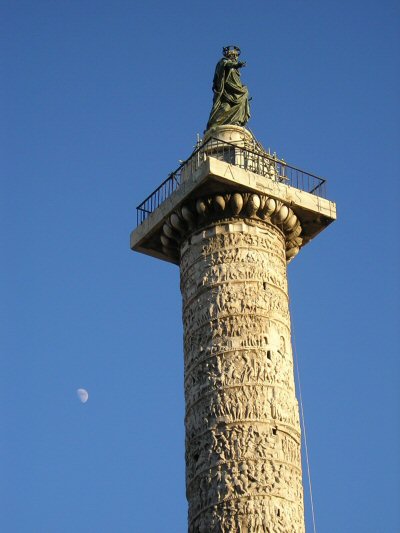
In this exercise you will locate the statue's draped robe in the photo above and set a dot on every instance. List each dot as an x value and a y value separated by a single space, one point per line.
231 98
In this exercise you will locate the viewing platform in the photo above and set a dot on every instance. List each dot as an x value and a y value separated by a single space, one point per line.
231 160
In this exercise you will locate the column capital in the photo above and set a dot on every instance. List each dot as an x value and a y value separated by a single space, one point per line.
204 211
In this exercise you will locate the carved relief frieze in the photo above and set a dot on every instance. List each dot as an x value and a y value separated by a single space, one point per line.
235 368
243 466
242 482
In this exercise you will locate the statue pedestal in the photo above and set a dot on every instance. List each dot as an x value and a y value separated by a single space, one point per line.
230 134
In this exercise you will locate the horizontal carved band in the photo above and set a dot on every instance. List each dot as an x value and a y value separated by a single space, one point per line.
194 215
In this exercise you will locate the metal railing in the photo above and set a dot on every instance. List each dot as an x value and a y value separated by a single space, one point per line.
157 197
169 185
255 160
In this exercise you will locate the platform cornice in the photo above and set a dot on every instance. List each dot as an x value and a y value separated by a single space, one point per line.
214 176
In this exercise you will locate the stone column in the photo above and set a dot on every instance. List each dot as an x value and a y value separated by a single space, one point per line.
232 216
243 465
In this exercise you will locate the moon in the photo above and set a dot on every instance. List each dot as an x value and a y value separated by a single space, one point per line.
83 395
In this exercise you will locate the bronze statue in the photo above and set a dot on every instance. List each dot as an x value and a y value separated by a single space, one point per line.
231 98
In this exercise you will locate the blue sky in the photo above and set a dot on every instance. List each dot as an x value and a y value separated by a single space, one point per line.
99 101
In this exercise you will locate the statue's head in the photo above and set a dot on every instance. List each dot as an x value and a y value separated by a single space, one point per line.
231 52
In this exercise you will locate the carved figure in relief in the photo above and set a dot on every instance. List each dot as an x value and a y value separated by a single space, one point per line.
237 442
227 483
282 345
221 445
252 443
202 525
250 510
249 482
202 460
229 522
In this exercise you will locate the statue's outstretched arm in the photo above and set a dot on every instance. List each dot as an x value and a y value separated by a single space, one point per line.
234 64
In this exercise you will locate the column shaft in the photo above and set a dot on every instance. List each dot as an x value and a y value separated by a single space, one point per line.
243 465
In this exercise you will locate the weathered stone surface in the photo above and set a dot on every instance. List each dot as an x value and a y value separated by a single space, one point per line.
232 225
243 466
245 206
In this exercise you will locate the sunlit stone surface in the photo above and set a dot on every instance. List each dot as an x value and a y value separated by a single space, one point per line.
232 225
242 423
